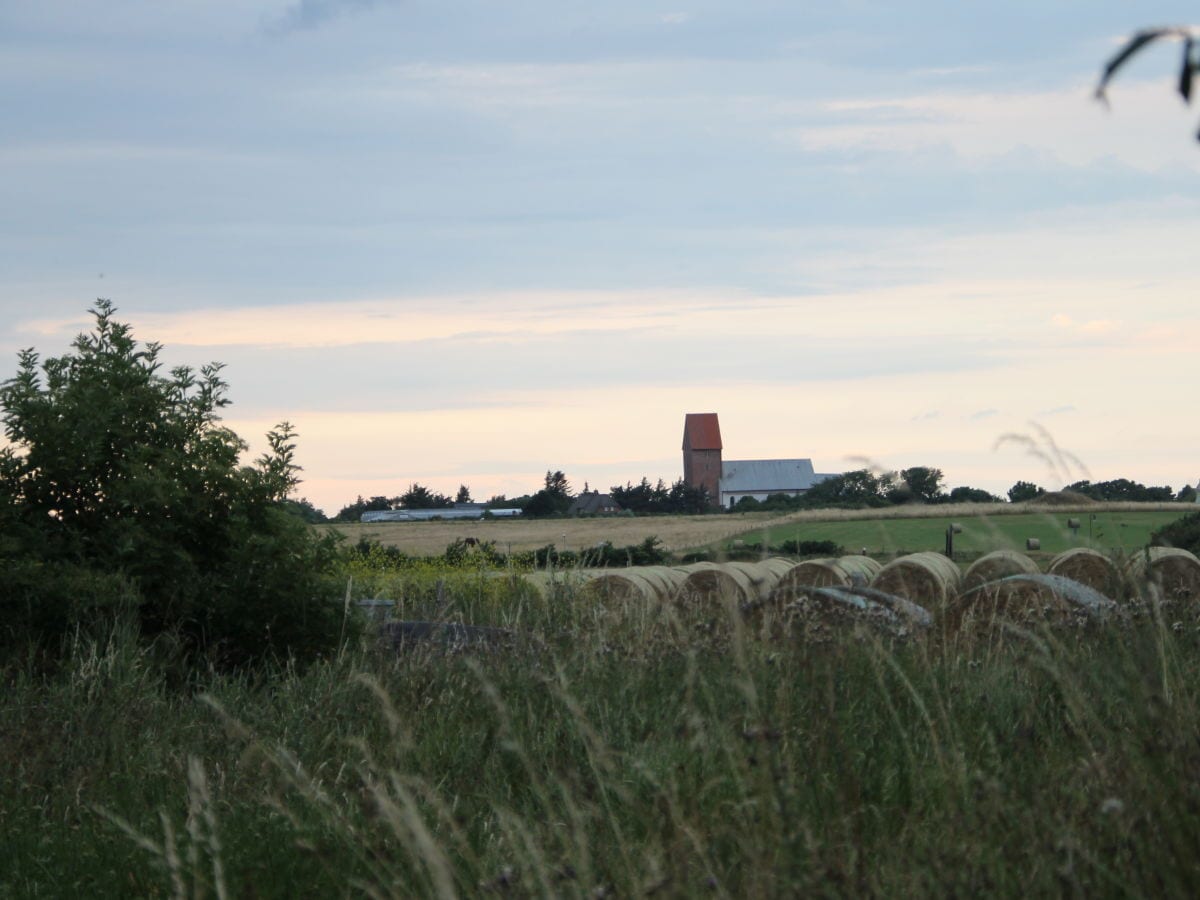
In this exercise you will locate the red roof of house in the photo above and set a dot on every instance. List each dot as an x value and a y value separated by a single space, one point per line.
701 431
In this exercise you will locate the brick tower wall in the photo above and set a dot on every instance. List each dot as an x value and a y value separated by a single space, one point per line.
702 468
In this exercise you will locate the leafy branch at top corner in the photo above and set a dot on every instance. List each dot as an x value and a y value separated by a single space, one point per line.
1188 66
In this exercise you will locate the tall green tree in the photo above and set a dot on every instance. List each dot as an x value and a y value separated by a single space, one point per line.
420 497
920 484
1023 491
121 493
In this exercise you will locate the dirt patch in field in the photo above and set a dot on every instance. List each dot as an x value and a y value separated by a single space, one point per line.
675 532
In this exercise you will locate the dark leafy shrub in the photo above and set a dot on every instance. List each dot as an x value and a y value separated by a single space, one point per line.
810 548
1182 533
120 490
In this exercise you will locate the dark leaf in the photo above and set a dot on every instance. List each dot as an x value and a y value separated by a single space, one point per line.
1186 72
1136 43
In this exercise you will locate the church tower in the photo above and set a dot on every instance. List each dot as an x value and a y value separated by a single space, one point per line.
702 453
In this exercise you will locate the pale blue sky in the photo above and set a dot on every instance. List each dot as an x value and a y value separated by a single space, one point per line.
474 240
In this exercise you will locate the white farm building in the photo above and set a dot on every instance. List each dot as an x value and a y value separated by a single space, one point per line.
728 481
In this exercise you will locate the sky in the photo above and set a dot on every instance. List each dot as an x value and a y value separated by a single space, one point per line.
465 242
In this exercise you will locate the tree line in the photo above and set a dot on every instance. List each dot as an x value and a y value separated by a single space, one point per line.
860 488
864 488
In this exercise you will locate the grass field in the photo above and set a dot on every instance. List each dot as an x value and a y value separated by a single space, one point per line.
1118 530
882 531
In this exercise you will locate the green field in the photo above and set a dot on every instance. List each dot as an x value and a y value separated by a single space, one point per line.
1112 531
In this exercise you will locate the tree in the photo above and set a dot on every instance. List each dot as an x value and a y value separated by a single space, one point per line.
971 495
658 499
1122 489
1187 494
305 510
554 499
420 497
1024 491
857 488
556 483
463 495
920 484
121 494
353 512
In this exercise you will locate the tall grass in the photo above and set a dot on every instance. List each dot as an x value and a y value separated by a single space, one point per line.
614 753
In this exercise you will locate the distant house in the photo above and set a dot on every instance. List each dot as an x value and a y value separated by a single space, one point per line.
593 503
728 481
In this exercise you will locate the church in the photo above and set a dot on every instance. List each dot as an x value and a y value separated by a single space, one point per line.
728 481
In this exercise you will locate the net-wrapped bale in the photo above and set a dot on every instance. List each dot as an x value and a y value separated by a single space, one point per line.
1170 572
1088 567
1027 599
927 579
833 613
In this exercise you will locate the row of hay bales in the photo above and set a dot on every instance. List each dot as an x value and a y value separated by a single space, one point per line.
1078 583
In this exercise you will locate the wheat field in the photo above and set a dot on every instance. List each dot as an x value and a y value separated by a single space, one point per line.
675 532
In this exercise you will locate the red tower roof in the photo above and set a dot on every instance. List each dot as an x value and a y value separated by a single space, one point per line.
701 431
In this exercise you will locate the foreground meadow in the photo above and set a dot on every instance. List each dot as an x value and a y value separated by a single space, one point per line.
603 752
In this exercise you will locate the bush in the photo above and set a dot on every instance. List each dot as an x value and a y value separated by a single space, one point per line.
810 548
1182 533
120 492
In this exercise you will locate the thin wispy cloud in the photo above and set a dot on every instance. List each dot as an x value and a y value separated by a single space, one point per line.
306 14
1092 326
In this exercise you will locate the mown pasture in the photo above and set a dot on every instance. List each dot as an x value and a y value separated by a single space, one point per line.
1116 530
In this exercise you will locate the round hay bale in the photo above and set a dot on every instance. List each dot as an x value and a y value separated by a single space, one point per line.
997 565
844 572
666 580
927 579
1088 567
547 584
860 568
764 575
1173 572
822 574
621 586
807 574
716 583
